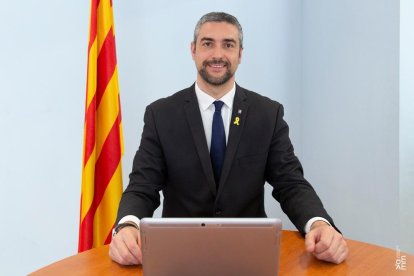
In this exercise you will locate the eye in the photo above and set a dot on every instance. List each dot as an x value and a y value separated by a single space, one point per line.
229 45
207 44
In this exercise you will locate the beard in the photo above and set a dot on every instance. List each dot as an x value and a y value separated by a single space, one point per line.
216 81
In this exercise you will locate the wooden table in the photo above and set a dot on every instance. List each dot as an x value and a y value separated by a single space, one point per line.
363 259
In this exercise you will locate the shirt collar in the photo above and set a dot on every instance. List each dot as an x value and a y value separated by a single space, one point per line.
205 100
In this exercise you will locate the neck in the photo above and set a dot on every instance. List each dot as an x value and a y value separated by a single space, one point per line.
215 91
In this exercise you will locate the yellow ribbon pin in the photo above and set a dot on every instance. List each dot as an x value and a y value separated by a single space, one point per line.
237 121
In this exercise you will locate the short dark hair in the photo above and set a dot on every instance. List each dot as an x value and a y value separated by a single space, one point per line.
219 17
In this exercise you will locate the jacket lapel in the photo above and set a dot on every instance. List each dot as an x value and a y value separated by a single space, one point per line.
237 123
192 112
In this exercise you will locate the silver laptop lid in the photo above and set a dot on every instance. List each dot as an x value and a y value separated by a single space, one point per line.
210 246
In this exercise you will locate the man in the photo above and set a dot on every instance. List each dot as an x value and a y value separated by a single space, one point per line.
211 147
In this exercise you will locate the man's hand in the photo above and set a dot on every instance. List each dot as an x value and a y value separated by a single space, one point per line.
125 247
325 243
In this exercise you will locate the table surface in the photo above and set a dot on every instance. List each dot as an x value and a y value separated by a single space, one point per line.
363 259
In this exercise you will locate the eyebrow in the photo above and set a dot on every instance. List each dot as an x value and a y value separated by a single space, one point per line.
206 39
211 39
230 40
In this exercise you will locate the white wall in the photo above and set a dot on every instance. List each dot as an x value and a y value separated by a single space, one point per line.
42 75
333 64
350 113
406 242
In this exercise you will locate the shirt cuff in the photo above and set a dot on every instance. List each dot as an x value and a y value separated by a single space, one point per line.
311 221
131 218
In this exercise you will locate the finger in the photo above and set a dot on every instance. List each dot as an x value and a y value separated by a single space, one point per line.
135 253
310 241
332 248
120 249
336 253
326 238
342 253
133 243
131 238
124 256
116 255
328 255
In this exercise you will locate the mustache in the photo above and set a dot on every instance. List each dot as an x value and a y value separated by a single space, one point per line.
215 62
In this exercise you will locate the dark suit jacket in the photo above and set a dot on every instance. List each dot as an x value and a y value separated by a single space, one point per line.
173 157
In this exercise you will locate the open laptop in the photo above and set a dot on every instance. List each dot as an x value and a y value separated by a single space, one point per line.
210 246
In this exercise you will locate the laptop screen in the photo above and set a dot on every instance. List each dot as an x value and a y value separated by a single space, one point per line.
210 246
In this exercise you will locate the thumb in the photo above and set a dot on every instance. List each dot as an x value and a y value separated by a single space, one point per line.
310 241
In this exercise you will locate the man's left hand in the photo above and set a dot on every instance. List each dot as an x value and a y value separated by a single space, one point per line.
325 243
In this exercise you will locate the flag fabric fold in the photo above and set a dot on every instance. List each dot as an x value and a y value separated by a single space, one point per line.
103 145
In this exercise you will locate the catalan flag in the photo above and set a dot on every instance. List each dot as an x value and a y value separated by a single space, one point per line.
103 146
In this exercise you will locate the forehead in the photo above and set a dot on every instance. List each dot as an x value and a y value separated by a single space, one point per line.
218 31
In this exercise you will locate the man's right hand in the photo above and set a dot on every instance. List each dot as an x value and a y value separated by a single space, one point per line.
125 247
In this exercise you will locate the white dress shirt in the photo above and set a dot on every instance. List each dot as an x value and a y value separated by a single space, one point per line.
205 103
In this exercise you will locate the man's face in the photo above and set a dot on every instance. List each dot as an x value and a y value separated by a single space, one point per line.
217 52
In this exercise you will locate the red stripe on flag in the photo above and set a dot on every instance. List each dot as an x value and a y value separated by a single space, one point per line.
85 233
93 22
106 65
89 130
109 237
107 161
82 232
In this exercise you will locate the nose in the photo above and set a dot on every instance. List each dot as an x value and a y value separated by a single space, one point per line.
217 53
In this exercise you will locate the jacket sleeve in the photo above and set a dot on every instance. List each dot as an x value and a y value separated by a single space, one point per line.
284 172
147 178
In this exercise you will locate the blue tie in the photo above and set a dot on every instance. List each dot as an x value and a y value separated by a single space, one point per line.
218 141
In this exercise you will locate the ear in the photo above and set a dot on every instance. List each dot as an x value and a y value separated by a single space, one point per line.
193 49
240 54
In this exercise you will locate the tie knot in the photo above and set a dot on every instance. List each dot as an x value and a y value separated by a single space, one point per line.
218 105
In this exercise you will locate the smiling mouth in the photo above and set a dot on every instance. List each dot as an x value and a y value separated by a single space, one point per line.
217 67
216 63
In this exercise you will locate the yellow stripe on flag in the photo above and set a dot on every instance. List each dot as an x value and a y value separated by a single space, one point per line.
107 112
106 213
105 21
92 73
88 176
